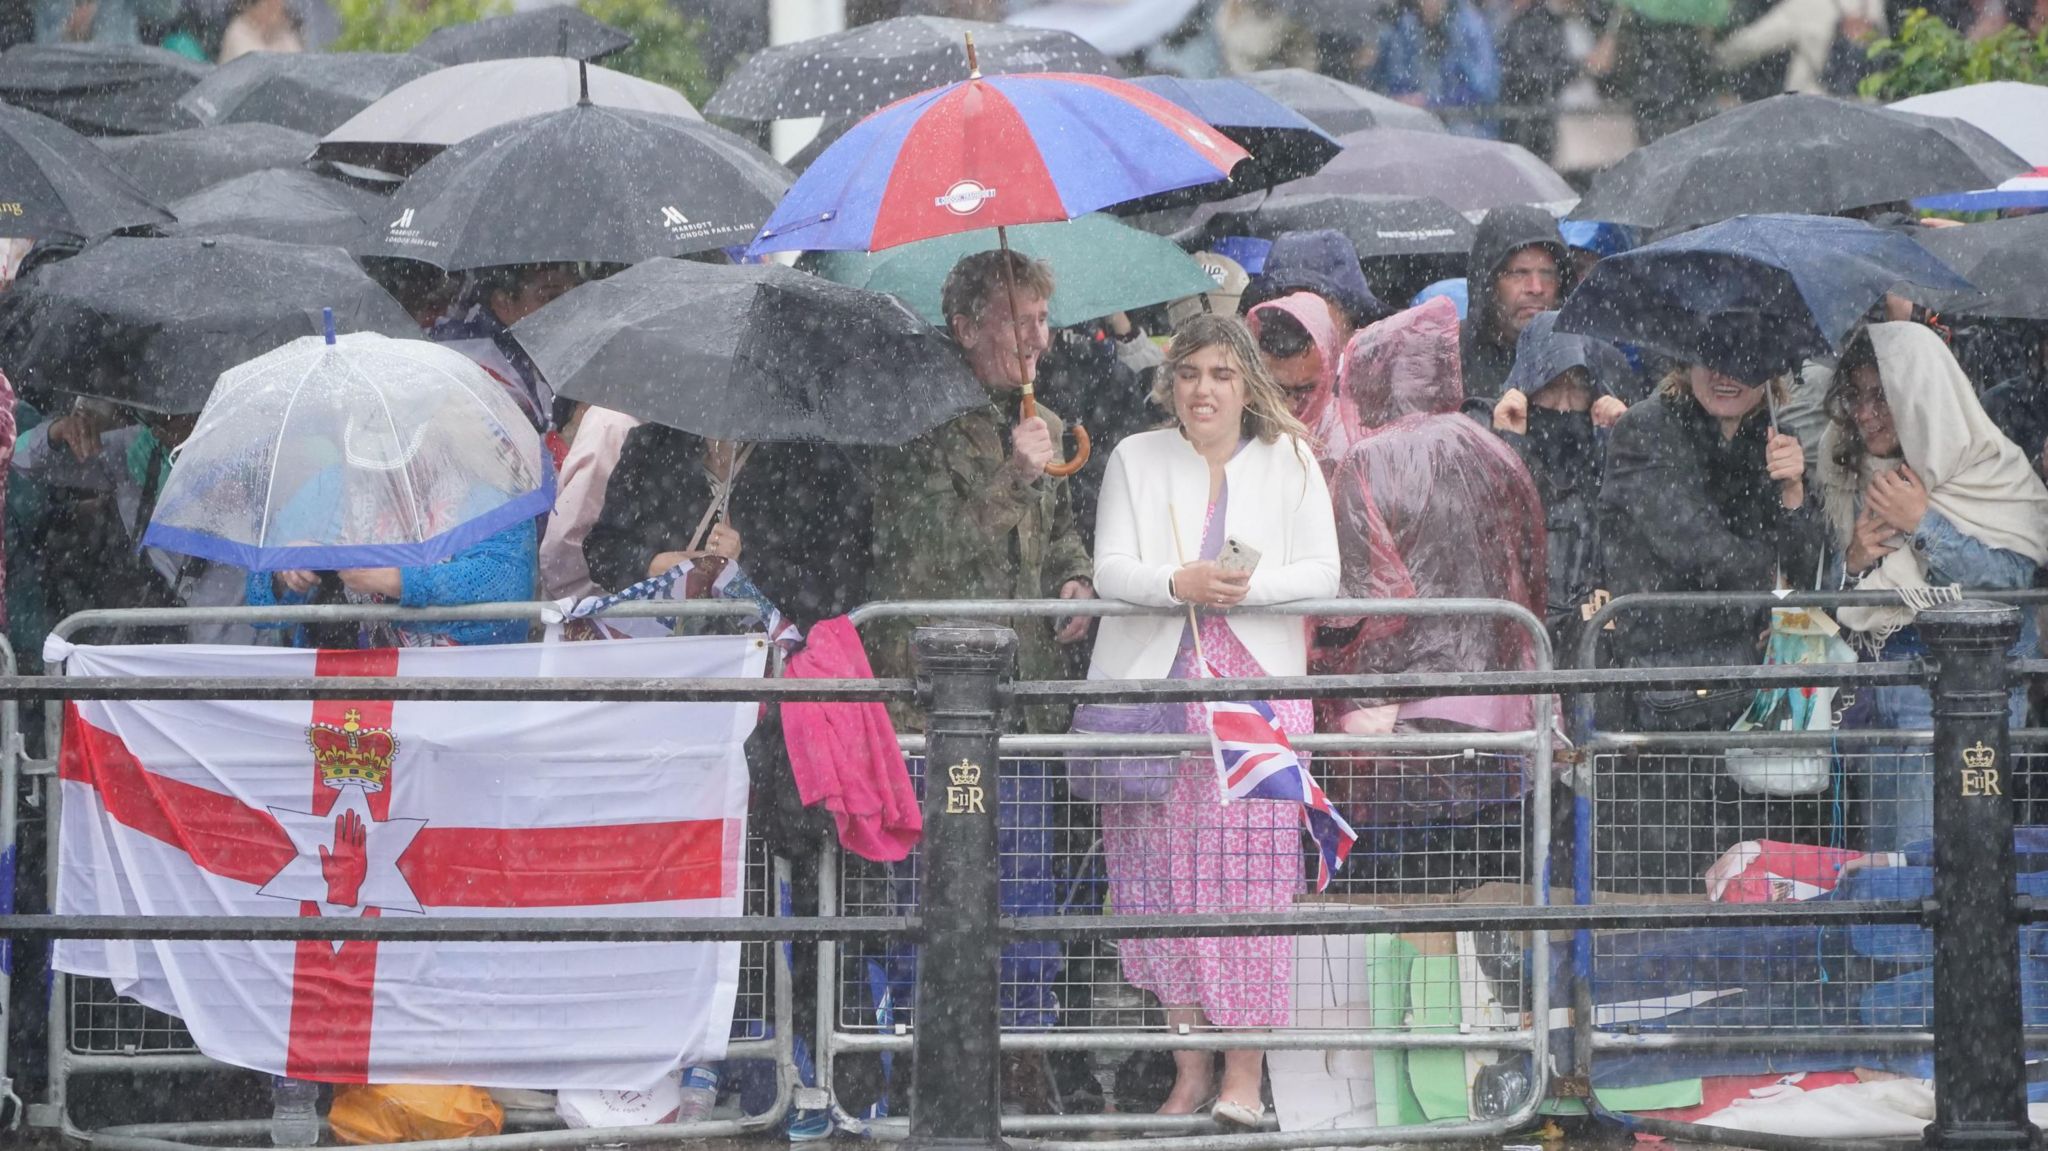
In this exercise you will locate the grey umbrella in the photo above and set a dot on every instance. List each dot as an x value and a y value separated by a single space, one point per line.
289 205
2006 260
1337 107
312 92
101 89
560 30
57 185
1376 225
171 165
1470 175
417 120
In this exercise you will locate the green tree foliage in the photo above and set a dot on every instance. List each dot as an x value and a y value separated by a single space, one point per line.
665 51
1926 55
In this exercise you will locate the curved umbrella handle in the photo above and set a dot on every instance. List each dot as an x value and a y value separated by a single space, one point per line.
1079 459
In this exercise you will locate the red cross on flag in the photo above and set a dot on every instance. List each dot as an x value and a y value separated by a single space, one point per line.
366 808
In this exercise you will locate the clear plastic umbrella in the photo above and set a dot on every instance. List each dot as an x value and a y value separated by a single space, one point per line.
365 451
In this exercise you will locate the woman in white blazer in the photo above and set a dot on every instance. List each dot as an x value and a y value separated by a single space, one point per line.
1235 465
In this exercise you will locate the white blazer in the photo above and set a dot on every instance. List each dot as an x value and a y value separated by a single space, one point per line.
1278 504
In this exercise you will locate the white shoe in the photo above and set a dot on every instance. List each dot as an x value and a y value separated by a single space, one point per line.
1237 1114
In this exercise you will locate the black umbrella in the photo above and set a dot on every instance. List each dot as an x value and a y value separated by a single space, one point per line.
2006 260
153 322
562 30
312 92
171 165
1795 153
1470 175
101 89
1377 225
854 72
1283 144
1338 107
750 352
587 184
289 205
55 183
415 121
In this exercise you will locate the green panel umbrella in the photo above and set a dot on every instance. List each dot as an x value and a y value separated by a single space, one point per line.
1702 13
1099 266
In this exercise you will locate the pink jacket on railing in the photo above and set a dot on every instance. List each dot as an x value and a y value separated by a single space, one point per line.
845 754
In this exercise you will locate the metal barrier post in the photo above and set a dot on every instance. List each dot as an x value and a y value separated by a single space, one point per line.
956 1081
1980 1088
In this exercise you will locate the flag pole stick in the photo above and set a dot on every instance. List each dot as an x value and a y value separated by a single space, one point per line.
1180 552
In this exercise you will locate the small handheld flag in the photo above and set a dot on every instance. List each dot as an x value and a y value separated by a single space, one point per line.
1254 760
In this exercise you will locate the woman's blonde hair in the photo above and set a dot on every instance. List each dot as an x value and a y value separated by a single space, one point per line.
1266 414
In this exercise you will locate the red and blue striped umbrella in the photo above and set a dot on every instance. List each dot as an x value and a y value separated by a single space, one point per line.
989 152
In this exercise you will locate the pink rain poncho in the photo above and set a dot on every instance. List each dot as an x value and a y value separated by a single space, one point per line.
1328 416
1430 505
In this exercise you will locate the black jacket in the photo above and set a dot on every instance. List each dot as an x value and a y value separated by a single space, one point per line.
1680 511
802 511
1488 351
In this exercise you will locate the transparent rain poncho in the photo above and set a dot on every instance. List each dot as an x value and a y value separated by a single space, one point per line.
364 452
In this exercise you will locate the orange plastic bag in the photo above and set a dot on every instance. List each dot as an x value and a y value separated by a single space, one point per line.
410 1112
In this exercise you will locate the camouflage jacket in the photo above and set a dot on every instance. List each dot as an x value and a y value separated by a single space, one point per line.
950 524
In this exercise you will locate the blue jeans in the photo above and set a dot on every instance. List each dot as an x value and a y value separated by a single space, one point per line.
1900 785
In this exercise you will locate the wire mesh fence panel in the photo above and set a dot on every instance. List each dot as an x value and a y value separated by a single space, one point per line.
1153 840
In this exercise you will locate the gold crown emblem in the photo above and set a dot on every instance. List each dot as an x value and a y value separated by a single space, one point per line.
1979 757
964 773
352 753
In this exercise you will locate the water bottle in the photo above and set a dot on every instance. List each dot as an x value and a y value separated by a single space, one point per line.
700 1094
294 1112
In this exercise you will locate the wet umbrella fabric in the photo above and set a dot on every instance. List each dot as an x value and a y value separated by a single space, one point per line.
172 165
559 30
1376 225
60 185
2016 115
364 452
1337 107
1284 145
1795 153
854 72
1470 175
1752 296
289 205
750 352
153 322
1100 264
418 120
2005 260
621 187
312 92
101 89
994 151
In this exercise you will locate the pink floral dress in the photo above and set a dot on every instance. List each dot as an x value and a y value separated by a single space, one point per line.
1190 853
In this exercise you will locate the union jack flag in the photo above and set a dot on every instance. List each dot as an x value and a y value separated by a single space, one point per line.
1254 760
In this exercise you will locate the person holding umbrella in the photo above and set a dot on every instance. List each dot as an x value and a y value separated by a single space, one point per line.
494 300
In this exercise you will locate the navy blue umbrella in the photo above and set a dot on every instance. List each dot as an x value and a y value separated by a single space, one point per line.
1753 296
1284 144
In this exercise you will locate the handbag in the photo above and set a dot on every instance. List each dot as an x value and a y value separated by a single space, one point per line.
1798 635
1125 778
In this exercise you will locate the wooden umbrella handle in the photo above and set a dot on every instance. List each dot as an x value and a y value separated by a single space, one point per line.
1027 407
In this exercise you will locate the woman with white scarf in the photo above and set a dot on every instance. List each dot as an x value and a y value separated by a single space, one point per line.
1923 494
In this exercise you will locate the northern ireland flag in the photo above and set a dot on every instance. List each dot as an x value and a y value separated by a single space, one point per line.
362 808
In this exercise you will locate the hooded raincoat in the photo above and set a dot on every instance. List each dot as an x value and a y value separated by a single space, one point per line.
1329 415
1488 347
1430 505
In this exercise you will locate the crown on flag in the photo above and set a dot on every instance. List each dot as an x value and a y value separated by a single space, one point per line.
352 753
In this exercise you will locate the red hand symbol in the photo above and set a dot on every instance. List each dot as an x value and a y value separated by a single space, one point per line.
346 865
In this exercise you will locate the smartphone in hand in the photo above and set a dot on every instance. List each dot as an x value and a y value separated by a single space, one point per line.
1237 558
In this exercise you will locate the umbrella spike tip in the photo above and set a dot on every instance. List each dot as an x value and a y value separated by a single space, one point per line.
973 60
583 81
327 323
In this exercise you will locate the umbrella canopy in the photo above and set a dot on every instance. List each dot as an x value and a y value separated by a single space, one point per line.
2014 114
417 120
312 92
289 205
1338 107
1752 296
1099 266
56 184
171 165
101 89
328 454
1284 145
750 352
622 187
558 30
153 322
854 72
1376 225
993 152
1470 175
1794 153
1698 13
1117 30
2005 260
